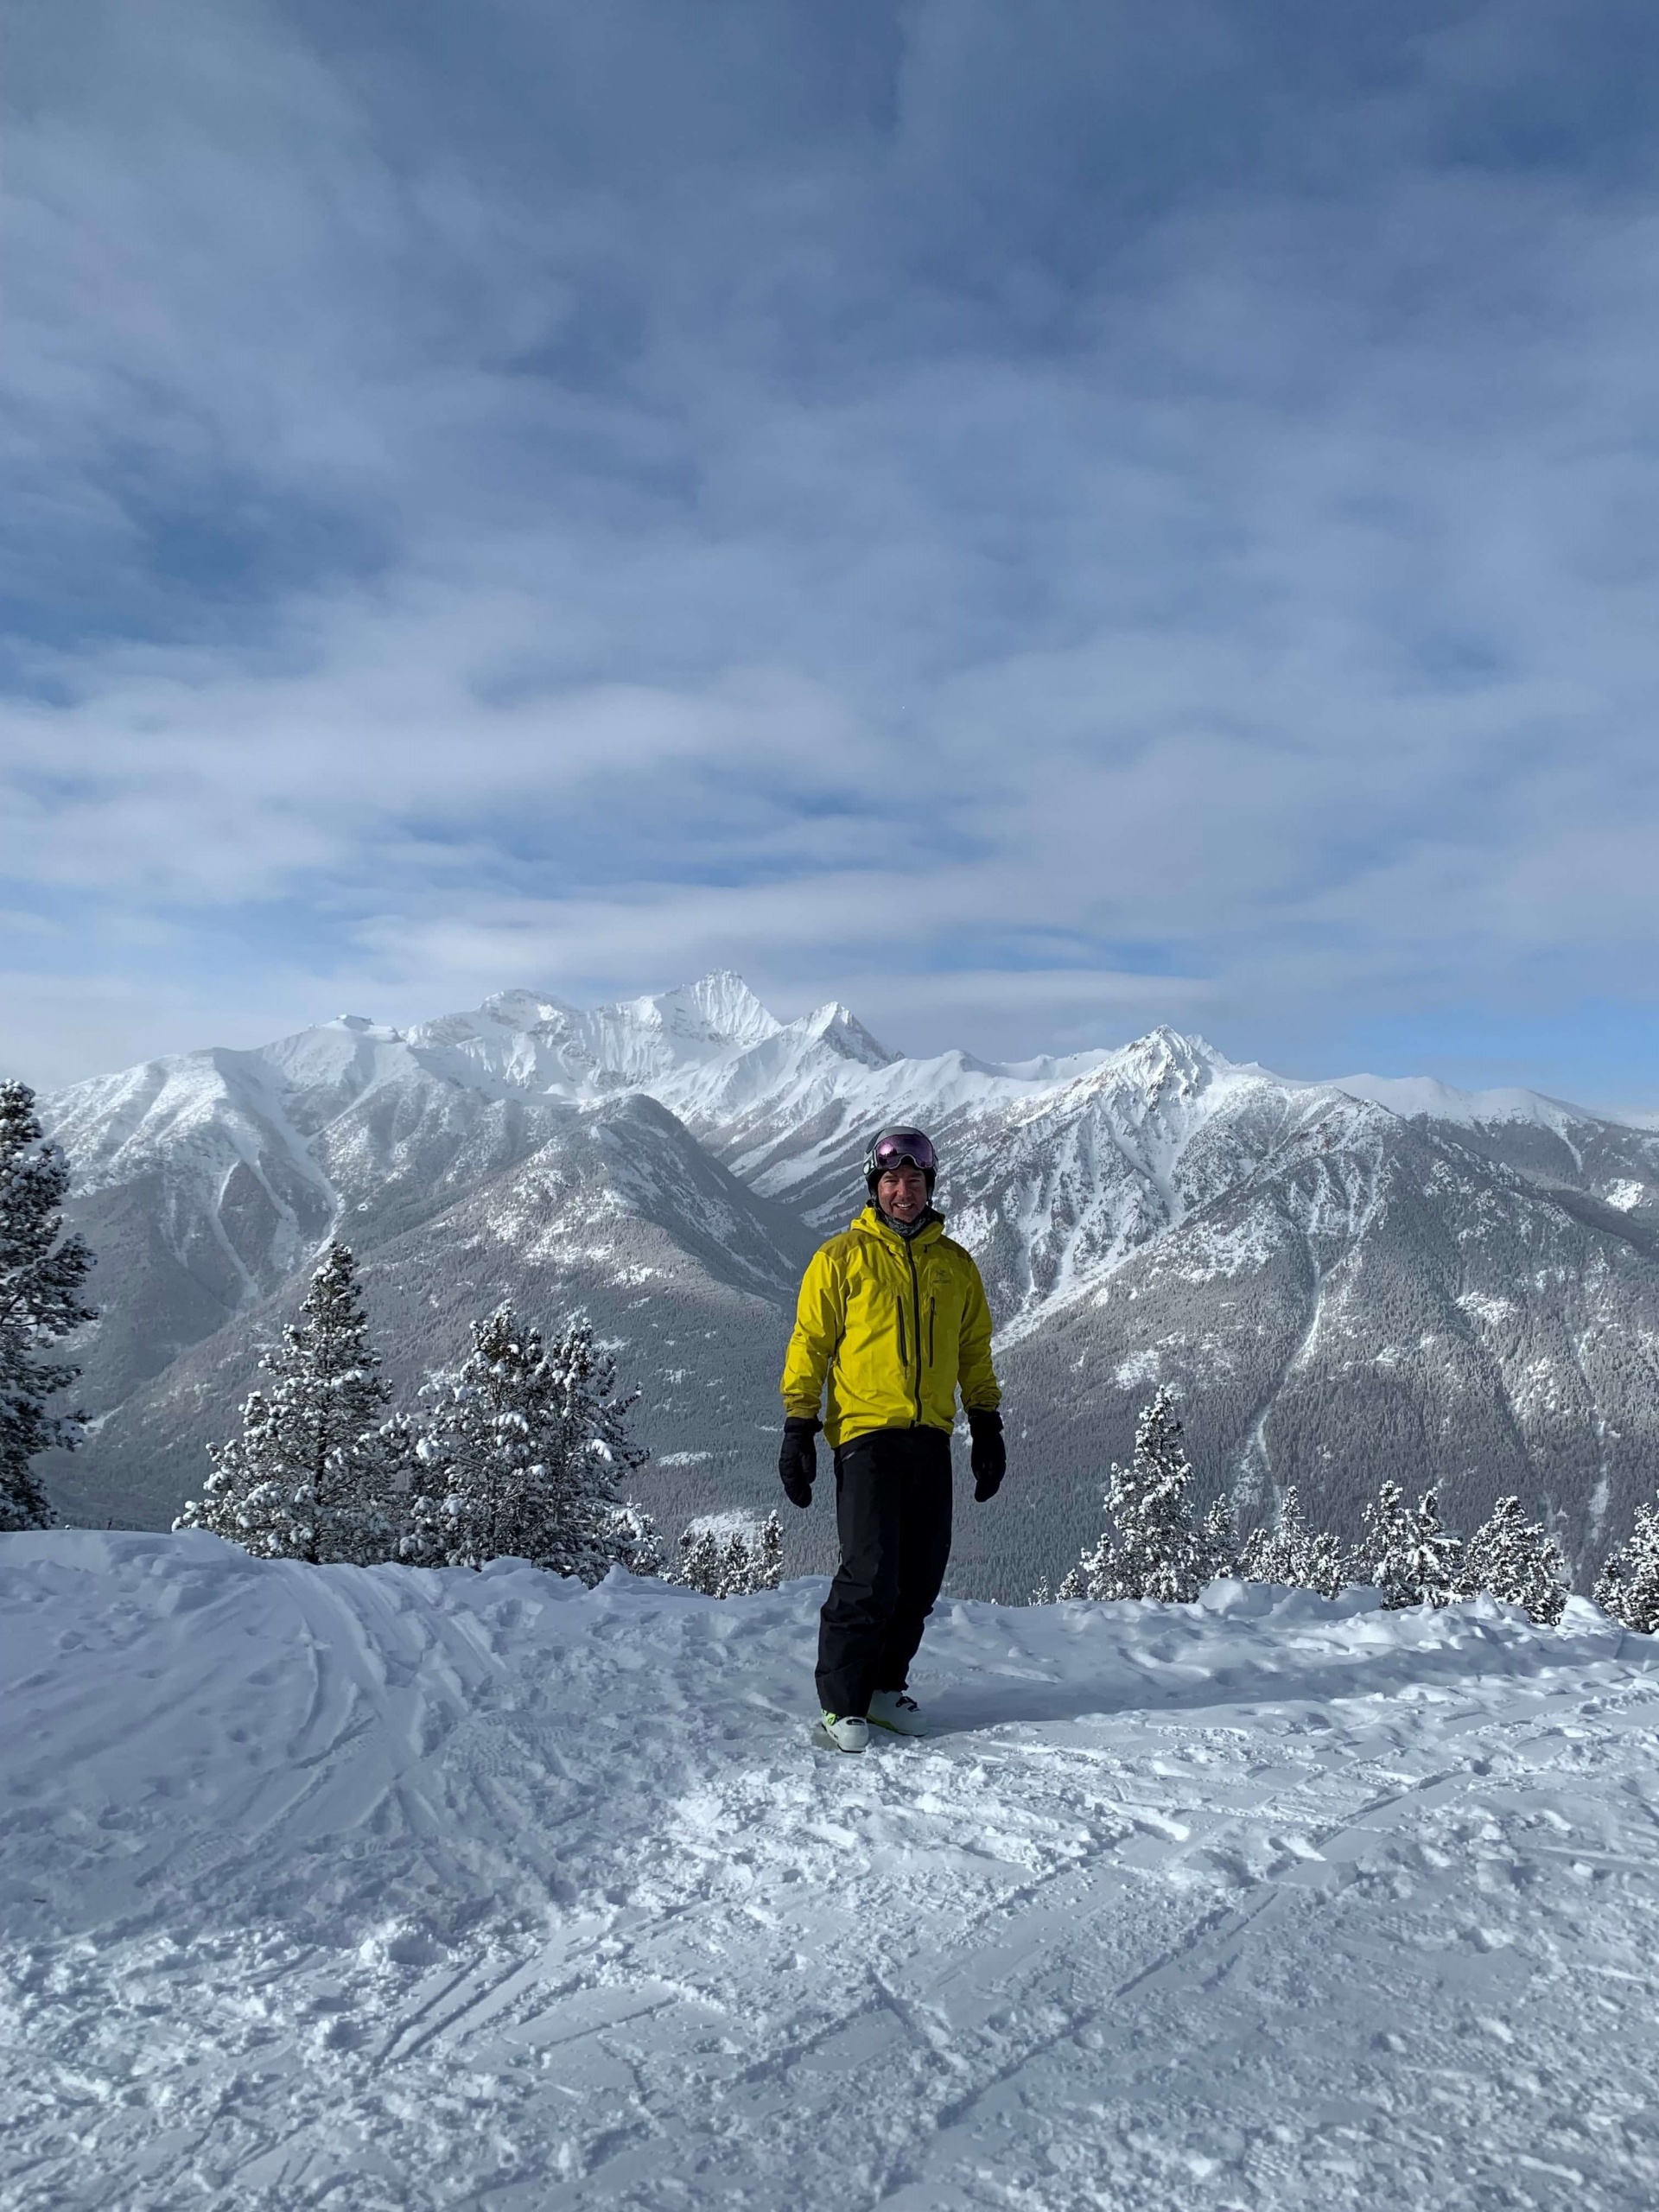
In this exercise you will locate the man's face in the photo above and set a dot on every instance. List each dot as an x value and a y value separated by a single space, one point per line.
901 1193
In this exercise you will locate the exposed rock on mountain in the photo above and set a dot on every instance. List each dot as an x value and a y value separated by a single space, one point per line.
618 1212
1346 1281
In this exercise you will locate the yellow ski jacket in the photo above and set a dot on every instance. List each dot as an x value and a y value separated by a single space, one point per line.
892 1325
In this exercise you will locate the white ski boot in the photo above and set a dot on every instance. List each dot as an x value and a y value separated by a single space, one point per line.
892 1709
844 1731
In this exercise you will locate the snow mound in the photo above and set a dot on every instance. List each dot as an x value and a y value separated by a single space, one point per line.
392 1889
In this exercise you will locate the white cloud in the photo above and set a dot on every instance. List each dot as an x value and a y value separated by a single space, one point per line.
1018 531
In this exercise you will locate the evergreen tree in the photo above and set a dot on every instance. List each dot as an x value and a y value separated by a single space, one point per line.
398 1444
41 1272
630 1538
1280 1555
1517 1562
702 1563
238 1501
1628 1586
311 1475
1150 1549
433 1533
1410 1558
520 1457
1293 1555
1218 1542
397 1441
767 1557
1384 1545
1329 1562
745 1561
1435 1559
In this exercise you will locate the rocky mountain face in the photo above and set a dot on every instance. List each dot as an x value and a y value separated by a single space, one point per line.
1344 1281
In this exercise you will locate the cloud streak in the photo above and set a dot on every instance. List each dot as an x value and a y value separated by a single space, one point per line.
888 500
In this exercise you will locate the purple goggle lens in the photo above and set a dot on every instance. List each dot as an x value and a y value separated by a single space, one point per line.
902 1146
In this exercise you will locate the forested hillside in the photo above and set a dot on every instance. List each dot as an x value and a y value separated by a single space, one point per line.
1344 1281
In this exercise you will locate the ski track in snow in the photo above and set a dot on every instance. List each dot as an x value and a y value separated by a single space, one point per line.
397 1890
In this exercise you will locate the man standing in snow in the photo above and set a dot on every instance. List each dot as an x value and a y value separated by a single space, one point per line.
892 1318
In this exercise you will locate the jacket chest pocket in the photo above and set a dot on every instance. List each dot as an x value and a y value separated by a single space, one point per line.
939 1317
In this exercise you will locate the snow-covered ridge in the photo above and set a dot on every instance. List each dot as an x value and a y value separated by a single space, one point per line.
1058 1170
1287 1252
710 1051
298 1135
1413 1095
401 1890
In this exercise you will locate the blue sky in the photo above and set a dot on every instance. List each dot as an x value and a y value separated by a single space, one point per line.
1032 520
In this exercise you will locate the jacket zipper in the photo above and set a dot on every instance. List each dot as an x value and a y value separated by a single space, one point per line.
916 1306
932 1303
903 1349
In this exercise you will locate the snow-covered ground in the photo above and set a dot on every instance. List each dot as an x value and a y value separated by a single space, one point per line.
387 1889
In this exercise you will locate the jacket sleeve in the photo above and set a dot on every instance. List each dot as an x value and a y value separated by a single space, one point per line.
820 1316
980 1393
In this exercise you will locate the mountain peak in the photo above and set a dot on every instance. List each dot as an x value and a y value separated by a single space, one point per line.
526 1009
1165 1059
718 1008
838 1025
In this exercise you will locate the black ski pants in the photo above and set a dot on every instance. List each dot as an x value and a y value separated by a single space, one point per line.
892 1514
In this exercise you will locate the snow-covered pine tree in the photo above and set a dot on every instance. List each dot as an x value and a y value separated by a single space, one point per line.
1435 1557
1293 1555
745 1560
311 1476
1150 1549
750 1559
1410 1558
237 1500
41 1272
1384 1545
1329 1565
700 1563
1280 1555
1517 1562
1218 1541
630 1538
398 1443
1628 1586
1091 1576
520 1457
434 1507
766 1555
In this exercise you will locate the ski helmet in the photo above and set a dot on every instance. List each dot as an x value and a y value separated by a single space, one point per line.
900 1148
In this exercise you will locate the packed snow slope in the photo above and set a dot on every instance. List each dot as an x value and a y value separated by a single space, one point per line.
390 1891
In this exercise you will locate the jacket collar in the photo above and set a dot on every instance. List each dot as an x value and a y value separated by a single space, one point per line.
875 1223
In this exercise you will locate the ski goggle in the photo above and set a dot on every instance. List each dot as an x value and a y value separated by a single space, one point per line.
902 1148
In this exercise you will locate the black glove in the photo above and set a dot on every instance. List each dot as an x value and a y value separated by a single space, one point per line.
988 1456
798 1461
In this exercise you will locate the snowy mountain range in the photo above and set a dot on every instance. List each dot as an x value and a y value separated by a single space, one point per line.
1345 1280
